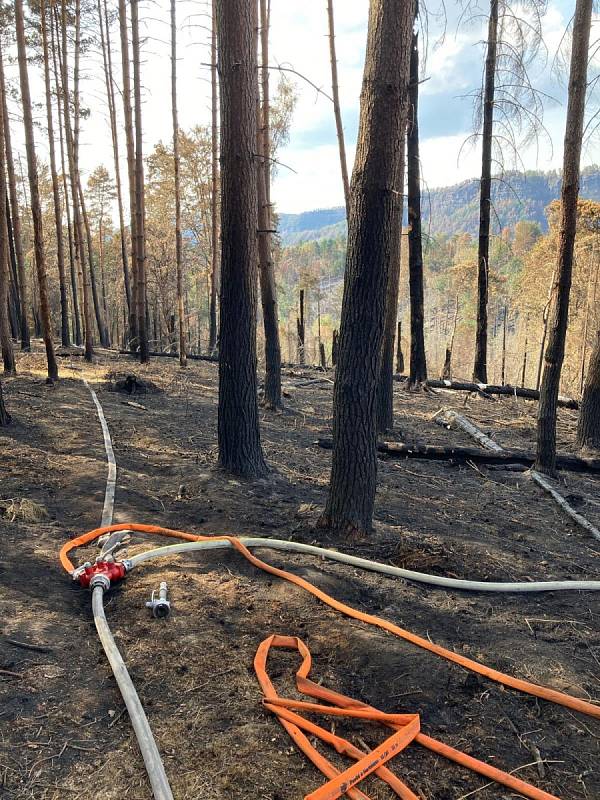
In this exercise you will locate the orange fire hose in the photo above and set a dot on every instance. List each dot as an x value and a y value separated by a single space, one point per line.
407 729
406 726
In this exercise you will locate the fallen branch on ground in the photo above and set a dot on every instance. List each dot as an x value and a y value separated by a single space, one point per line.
429 452
488 388
453 418
156 354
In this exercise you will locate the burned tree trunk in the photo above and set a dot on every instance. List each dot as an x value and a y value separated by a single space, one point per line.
214 196
588 424
301 331
268 288
399 353
555 350
5 417
36 207
334 348
176 160
98 310
418 360
485 197
6 347
15 215
373 207
240 449
385 386
336 106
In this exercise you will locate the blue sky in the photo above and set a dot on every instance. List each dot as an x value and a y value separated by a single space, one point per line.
452 69
299 40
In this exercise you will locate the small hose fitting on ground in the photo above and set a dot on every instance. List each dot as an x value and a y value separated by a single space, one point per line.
160 606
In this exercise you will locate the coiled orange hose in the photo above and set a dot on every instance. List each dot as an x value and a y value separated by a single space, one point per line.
407 729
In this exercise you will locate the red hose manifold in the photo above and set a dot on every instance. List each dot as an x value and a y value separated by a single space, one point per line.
114 571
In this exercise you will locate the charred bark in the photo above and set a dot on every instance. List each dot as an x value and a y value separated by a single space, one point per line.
557 331
336 106
15 215
176 161
588 424
373 207
418 360
485 197
240 449
36 208
214 198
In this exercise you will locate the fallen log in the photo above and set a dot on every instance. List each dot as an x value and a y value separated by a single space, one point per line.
156 354
429 452
489 388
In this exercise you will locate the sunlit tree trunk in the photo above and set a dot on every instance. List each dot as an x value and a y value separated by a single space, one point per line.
128 123
71 136
98 311
36 208
240 449
268 288
214 200
485 198
110 98
336 105
56 58
178 238
557 329
60 248
15 214
140 234
373 208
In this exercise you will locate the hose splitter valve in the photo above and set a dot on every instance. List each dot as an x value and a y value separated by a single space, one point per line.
160 606
102 573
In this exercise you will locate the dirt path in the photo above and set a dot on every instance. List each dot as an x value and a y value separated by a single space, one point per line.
63 732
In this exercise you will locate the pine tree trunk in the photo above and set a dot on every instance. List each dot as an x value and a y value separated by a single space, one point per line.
373 209
301 331
5 417
178 239
399 353
110 96
385 387
72 261
588 424
36 208
240 449
485 198
6 347
336 106
557 329
93 282
418 361
60 249
140 234
71 136
14 277
15 215
268 289
214 198
128 120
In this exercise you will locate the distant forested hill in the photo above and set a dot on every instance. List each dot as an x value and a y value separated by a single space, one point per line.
455 209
